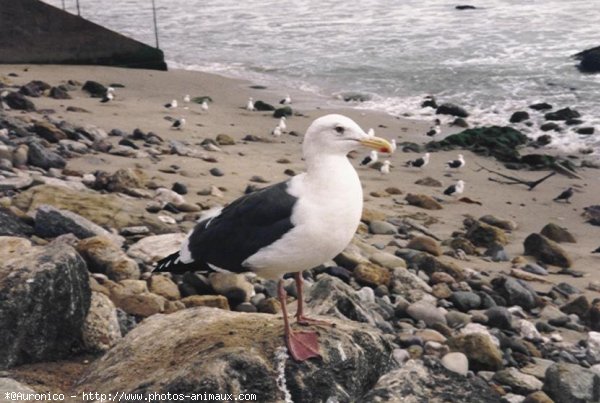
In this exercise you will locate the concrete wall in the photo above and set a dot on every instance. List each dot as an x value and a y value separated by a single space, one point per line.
35 32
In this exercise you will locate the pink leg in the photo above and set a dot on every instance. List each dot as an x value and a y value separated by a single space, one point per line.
300 318
301 345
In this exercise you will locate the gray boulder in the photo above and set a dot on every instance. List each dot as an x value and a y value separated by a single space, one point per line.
208 349
429 381
11 225
40 156
44 299
51 222
570 383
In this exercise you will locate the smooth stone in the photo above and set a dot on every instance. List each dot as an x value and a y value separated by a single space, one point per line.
456 362
519 382
382 228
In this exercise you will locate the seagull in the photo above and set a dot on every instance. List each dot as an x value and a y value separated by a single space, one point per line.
204 105
109 96
172 104
282 124
565 195
385 167
250 104
419 162
435 129
187 98
456 164
371 132
394 145
178 124
286 101
286 227
371 158
456 189
276 131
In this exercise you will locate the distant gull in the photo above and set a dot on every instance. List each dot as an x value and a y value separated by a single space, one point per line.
204 105
282 124
371 158
456 189
178 124
276 131
394 146
287 100
250 104
565 195
172 104
187 98
287 227
435 129
109 96
419 162
371 132
458 163
385 167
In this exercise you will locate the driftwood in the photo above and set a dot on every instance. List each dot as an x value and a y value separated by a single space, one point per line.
419 227
512 180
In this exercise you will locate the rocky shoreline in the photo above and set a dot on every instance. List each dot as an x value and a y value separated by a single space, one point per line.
472 300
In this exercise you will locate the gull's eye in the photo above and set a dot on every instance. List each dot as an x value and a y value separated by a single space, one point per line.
339 129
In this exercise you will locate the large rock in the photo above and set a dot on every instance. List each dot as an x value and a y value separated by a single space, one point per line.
485 235
516 292
104 256
518 381
426 312
557 233
17 101
101 327
479 348
425 244
423 201
106 210
570 383
546 250
500 142
562 114
332 297
372 274
126 179
589 60
153 248
12 225
209 350
51 222
49 132
451 109
44 158
44 299
428 381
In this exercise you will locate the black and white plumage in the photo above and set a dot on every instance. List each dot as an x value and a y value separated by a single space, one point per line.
457 163
171 105
109 96
435 129
456 189
178 124
371 158
290 226
565 195
286 101
419 162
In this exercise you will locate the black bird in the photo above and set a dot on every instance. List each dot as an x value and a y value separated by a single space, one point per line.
455 189
565 195
419 162
171 105
178 124
456 164
435 129
286 101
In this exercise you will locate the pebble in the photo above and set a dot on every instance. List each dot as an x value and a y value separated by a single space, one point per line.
426 312
382 228
216 172
456 362
179 188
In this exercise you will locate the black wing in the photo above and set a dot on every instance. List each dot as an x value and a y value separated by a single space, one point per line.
450 190
366 160
242 228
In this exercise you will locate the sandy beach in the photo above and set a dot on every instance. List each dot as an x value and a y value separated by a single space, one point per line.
139 105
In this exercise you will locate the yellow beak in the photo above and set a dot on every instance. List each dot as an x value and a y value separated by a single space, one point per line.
379 144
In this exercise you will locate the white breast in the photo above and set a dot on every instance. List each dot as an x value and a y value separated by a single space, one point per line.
321 229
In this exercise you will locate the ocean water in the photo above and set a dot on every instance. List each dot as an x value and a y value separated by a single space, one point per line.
494 60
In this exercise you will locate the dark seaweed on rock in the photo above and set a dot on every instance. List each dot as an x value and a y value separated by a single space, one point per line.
499 142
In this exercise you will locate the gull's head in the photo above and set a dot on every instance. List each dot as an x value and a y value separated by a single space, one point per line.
426 157
338 134
460 186
110 89
460 157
